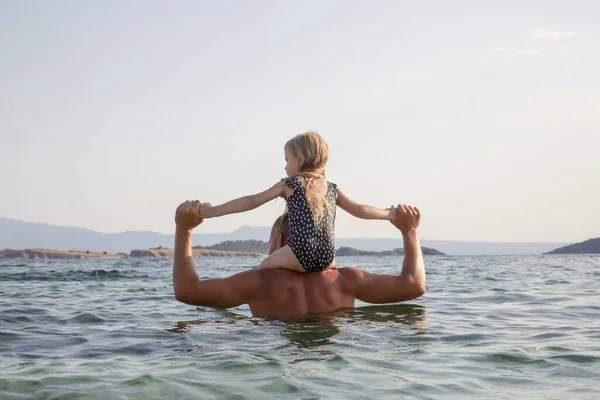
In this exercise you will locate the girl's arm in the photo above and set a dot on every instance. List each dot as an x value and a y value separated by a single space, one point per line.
242 204
362 210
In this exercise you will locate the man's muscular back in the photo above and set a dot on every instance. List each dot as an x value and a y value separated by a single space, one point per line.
286 293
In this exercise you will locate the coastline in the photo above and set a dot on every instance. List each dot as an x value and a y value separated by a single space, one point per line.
54 254
47 254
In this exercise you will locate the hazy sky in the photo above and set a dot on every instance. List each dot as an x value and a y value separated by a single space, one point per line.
486 115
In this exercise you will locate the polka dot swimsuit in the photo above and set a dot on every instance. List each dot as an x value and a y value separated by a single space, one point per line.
313 246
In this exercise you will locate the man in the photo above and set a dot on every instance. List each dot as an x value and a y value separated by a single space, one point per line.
281 293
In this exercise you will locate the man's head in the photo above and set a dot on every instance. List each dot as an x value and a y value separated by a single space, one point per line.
279 233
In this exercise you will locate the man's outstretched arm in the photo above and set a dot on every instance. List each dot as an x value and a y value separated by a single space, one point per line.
411 283
221 292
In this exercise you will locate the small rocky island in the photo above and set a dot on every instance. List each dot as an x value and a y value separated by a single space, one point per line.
229 248
251 246
196 252
349 251
590 246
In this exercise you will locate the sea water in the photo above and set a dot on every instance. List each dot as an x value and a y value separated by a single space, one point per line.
488 327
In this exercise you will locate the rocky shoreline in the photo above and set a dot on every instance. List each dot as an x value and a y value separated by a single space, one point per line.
158 253
47 254
349 251
55 254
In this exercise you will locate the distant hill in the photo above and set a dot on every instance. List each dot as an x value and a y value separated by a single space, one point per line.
16 234
590 246
349 251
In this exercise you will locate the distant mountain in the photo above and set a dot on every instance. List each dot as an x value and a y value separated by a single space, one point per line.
590 246
26 235
16 234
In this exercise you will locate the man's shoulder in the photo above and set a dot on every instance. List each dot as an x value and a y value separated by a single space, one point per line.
351 278
351 272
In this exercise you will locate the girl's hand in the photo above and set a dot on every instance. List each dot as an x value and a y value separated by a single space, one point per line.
205 210
392 213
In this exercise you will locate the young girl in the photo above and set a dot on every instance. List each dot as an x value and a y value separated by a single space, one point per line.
311 202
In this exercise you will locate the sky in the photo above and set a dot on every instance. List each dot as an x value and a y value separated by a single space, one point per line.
485 115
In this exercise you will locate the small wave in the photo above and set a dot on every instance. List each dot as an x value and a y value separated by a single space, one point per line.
7 335
577 358
15 319
102 273
142 289
550 282
470 337
64 275
506 358
87 318
548 335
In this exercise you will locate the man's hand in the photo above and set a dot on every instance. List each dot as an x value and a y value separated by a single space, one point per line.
407 219
187 215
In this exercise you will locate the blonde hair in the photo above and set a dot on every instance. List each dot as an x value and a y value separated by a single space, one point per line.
313 153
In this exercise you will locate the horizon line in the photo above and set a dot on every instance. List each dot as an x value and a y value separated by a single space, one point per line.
268 227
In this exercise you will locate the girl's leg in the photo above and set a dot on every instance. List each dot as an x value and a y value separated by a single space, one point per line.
332 265
282 258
